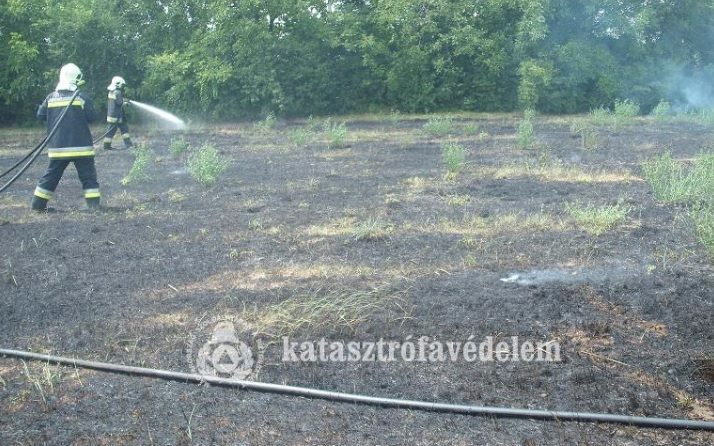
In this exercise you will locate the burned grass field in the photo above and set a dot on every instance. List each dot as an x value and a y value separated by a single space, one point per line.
469 230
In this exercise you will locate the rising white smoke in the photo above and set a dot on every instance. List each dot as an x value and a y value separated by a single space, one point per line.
687 90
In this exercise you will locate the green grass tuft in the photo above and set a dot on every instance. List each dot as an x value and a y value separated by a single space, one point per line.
454 156
206 165
438 126
143 157
597 219
178 147
673 184
524 129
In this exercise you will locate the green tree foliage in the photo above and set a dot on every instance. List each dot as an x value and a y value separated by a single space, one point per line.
20 53
246 59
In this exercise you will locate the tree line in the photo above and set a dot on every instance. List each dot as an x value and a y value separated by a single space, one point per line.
242 59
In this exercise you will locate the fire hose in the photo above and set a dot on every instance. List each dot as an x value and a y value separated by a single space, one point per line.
533 414
111 127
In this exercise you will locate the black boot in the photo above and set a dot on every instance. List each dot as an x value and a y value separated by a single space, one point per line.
39 204
93 203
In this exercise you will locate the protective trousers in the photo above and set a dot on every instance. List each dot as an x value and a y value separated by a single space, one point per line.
112 130
86 171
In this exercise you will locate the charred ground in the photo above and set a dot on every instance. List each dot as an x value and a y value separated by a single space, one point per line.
401 248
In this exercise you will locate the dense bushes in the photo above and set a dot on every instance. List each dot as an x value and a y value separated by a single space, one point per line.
236 60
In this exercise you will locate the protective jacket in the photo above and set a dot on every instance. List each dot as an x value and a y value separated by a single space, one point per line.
70 143
115 107
116 117
73 138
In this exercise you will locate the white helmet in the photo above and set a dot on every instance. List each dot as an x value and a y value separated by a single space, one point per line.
118 82
70 78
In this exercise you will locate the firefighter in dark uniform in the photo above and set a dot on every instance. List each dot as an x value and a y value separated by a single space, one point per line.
71 142
116 115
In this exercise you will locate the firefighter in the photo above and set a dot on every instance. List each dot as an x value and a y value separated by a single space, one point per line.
116 115
72 140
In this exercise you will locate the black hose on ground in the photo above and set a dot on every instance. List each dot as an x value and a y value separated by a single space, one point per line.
14 166
34 153
112 127
21 171
42 144
192 378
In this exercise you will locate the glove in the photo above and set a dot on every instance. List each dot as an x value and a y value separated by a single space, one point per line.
127 102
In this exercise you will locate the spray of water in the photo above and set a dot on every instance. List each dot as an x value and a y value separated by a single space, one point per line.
163 115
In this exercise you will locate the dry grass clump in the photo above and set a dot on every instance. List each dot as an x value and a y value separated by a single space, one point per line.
325 309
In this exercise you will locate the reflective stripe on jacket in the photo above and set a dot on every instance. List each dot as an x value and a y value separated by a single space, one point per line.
70 152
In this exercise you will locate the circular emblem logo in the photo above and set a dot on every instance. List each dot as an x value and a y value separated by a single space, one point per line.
226 348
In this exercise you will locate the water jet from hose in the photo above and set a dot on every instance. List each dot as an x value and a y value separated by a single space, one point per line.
166 117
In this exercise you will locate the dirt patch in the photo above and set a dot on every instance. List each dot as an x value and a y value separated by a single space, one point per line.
307 249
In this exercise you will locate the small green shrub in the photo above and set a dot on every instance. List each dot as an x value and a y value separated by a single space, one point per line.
374 228
702 175
625 111
301 136
589 138
667 179
453 156
600 116
672 183
577 126
524 129
661 110
266 125
544 155
586 132
255 224
395 117
706 117
622 115
438 126
206 164
178 146
336 133
143 156
703 219
597 219
471 128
